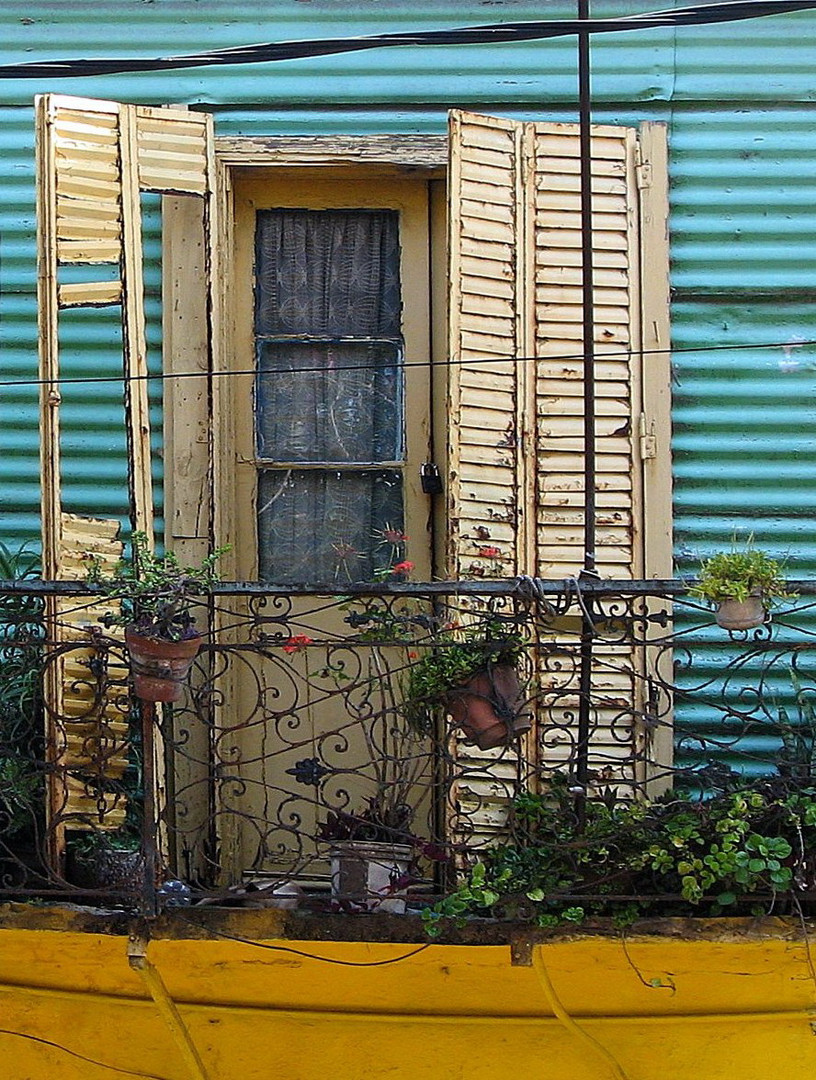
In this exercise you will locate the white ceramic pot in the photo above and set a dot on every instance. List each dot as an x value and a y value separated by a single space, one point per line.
370 874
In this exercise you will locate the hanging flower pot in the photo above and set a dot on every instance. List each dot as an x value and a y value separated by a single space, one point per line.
160 668
487 707
741 614
742 586
471 675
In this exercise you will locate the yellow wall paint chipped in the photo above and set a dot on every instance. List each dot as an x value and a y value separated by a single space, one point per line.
729 1008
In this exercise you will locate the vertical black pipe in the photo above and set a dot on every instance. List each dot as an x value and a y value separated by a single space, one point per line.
585 129
587 286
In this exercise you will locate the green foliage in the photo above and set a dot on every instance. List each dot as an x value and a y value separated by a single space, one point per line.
738 574
157 592
699 856
21 632
455 656
797 756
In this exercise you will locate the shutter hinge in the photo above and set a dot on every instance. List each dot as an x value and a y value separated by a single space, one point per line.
648 439
643 173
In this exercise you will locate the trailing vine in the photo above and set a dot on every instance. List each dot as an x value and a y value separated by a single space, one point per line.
743 850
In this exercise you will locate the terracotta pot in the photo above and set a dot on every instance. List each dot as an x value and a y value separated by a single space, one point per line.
741 614
487 706
368 873
160 668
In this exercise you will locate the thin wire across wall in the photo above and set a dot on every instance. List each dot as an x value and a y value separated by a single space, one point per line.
162 376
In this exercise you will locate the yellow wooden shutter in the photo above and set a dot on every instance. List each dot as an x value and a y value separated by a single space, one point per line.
559 340
490 331
516 428
94 160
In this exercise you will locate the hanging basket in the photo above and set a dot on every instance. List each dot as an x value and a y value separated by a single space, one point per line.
741 614
160 668
487 707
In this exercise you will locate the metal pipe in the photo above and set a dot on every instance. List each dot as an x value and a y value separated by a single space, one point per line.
587 284
137 958
588 318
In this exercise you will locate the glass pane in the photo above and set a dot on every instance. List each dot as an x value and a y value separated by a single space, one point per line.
322 526
334 402
327 273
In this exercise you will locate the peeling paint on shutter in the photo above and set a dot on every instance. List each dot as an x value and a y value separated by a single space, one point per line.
559 368
516 237
616 668
94 159
87 722
487 338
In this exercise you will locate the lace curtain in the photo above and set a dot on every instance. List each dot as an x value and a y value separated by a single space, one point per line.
329 393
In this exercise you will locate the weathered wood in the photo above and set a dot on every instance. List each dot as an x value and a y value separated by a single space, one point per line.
134 343
418 152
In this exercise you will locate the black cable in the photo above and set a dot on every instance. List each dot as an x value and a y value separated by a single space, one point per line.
162 376
493 33
298 952
81 1057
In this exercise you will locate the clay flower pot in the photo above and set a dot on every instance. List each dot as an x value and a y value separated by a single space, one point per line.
487 706
741 614
370 873
160 668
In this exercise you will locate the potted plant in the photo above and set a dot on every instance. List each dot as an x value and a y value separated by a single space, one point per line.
157 594
741 586
370 854
470 674
106 860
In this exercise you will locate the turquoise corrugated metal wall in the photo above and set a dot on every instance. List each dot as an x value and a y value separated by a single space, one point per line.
738 100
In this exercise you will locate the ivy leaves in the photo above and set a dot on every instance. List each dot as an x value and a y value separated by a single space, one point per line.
674 856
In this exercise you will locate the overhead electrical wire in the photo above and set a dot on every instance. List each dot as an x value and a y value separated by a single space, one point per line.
492 33
167 376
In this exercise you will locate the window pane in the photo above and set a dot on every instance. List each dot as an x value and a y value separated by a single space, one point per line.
326 526
338 402
327 273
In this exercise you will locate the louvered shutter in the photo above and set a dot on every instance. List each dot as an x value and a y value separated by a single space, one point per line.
490 329
88 736
94 159
516 422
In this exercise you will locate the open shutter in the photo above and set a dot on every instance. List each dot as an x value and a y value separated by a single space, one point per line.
559 367
516 421
94 159
490 331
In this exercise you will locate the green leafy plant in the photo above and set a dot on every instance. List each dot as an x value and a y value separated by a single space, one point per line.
797 755
697 855
21 749
738 574
456 655
157 592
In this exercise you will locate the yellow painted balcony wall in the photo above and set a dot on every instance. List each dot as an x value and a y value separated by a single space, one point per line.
733 1000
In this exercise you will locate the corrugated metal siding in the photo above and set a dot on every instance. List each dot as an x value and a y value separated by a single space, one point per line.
742 226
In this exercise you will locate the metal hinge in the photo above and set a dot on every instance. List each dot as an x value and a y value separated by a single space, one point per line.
648 439
643 175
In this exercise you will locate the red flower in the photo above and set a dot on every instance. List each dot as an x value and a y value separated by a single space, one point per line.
490 553
297 642
404 567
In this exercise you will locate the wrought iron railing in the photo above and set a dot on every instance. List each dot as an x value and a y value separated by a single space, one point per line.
314 719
